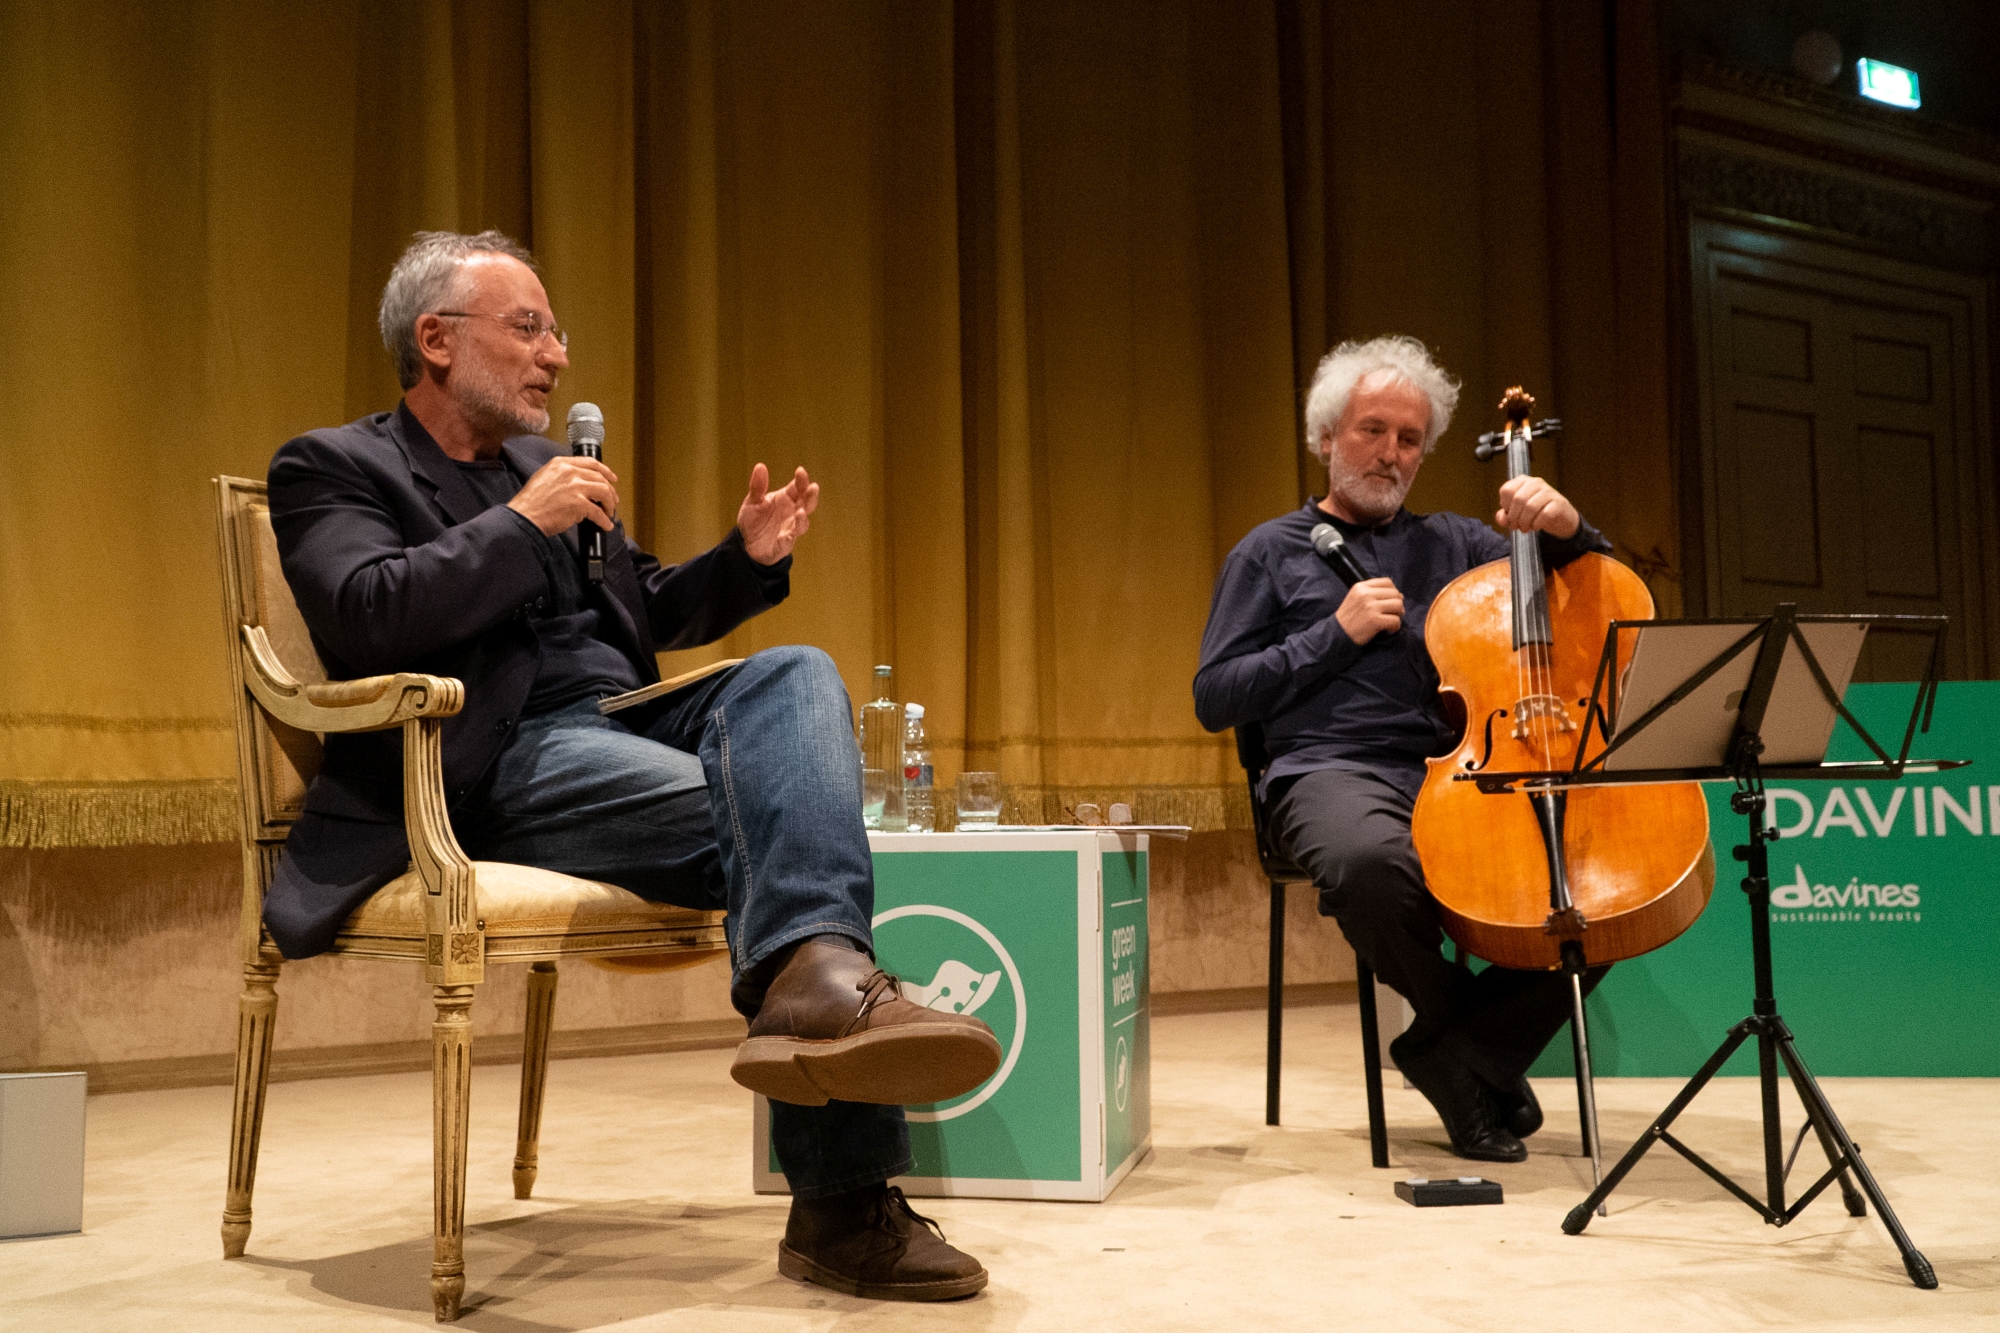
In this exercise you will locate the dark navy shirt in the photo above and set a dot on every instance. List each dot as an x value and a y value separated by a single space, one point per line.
577 661
1274 654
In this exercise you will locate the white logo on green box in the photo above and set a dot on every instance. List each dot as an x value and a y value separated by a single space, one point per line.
961 987
958 988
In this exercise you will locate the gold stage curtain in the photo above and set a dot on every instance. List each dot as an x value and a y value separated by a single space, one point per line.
1027 286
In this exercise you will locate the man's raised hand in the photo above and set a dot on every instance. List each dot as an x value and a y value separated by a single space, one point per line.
1371 607
568 490
773 521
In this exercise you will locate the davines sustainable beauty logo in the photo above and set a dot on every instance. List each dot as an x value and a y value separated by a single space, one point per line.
1852 901
1843 824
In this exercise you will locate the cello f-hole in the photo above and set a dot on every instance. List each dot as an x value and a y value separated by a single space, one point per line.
1487 758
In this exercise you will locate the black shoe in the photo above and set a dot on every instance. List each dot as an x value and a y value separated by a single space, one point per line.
1469 1111
1519 1110
869 1242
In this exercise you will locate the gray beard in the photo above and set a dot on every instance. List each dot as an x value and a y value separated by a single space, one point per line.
1374 498
489 409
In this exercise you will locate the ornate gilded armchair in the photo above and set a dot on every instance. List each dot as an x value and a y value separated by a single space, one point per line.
447 914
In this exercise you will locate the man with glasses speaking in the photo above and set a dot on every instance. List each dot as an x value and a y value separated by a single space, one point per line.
443 537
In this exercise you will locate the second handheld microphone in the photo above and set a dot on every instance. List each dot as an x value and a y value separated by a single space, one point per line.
586 440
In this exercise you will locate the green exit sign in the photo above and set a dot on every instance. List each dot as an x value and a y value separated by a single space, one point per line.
1888 83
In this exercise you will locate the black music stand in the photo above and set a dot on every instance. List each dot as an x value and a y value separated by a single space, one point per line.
1775 722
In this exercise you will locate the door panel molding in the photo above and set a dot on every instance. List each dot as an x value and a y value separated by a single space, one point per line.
1882 498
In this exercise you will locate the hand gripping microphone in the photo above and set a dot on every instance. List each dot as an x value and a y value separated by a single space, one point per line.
1326 539
586 440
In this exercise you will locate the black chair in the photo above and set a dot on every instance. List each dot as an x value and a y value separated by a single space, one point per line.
1280 870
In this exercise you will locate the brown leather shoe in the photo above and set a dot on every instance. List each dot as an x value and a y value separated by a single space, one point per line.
833 1026
871 1243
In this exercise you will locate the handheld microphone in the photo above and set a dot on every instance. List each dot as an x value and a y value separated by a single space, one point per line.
586 440
1332 548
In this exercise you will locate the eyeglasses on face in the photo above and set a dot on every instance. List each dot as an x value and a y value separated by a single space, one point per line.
528 328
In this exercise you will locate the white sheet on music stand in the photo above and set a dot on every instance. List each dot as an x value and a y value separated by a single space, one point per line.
1695 733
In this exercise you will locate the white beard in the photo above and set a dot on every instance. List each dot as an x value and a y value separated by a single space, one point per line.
489 406
1370 496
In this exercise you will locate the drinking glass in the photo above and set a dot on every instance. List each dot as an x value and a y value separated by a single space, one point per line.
978 800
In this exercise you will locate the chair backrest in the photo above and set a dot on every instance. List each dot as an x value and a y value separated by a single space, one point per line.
274 762
1250 752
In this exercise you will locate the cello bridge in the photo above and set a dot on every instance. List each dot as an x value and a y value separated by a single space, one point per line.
1534 706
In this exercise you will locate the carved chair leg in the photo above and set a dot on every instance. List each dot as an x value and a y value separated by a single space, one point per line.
257 1015
534 1074
451 1107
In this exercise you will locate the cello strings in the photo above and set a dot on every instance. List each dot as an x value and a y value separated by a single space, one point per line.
1539 726
1545 677
1537 629
1524 650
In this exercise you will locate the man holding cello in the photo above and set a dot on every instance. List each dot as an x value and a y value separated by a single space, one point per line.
1337 674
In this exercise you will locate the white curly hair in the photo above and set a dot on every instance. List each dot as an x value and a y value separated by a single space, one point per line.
1394 358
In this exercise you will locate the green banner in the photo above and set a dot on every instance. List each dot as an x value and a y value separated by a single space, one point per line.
1885 918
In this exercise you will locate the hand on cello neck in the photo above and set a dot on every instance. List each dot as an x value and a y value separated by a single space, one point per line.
1371 607
1529 504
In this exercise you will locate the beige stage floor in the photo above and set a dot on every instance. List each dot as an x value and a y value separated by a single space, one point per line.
646 1219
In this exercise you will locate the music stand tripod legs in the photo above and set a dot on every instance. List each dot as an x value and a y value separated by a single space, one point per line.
1774 1045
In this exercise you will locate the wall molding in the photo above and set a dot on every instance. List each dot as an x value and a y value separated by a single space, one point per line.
1907 225
1839 105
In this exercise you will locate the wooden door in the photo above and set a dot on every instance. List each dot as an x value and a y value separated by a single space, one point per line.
1842 440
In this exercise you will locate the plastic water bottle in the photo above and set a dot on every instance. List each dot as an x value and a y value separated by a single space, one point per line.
882 757
919 802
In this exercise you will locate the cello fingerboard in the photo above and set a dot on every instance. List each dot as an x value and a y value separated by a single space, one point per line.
1530 592
1529 585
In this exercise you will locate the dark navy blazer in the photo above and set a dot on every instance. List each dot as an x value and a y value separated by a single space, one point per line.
397 565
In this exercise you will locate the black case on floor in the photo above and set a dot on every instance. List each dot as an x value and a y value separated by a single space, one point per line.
1448 1193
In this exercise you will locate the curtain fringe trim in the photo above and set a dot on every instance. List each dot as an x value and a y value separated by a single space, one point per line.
48 815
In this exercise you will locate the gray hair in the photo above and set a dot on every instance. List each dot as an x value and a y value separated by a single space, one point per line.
1395 358
425 280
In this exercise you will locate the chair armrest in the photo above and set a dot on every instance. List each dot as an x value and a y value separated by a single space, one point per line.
455 952
374 703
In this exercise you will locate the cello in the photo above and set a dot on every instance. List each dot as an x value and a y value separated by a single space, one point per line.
1616 871
1548 877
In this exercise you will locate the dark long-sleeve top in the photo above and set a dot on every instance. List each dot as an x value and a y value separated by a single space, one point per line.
397 560
1273 653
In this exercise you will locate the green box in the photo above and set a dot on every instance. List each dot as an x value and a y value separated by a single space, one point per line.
1043 936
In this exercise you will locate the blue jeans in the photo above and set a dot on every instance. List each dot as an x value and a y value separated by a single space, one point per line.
740 793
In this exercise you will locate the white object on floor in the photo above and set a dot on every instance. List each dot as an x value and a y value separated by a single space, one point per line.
41 1155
